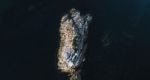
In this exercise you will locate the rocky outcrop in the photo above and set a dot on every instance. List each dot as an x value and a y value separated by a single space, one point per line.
73 33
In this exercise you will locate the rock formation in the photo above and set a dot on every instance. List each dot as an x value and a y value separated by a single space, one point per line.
73 35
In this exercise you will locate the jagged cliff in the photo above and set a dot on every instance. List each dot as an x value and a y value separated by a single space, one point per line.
73 33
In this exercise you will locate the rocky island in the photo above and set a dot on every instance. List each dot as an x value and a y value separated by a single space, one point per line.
73 35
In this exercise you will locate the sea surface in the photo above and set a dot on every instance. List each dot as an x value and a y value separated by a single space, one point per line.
118 39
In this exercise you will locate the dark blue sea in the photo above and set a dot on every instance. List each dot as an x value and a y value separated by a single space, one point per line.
118 39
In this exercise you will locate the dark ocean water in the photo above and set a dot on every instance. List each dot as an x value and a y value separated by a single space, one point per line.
118 39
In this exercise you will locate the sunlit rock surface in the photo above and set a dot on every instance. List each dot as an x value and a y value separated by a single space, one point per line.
73 33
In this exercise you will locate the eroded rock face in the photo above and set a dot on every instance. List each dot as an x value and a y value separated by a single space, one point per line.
73 34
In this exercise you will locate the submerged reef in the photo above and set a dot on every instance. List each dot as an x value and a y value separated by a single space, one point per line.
73 36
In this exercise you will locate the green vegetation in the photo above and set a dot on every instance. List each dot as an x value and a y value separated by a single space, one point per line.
75 43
